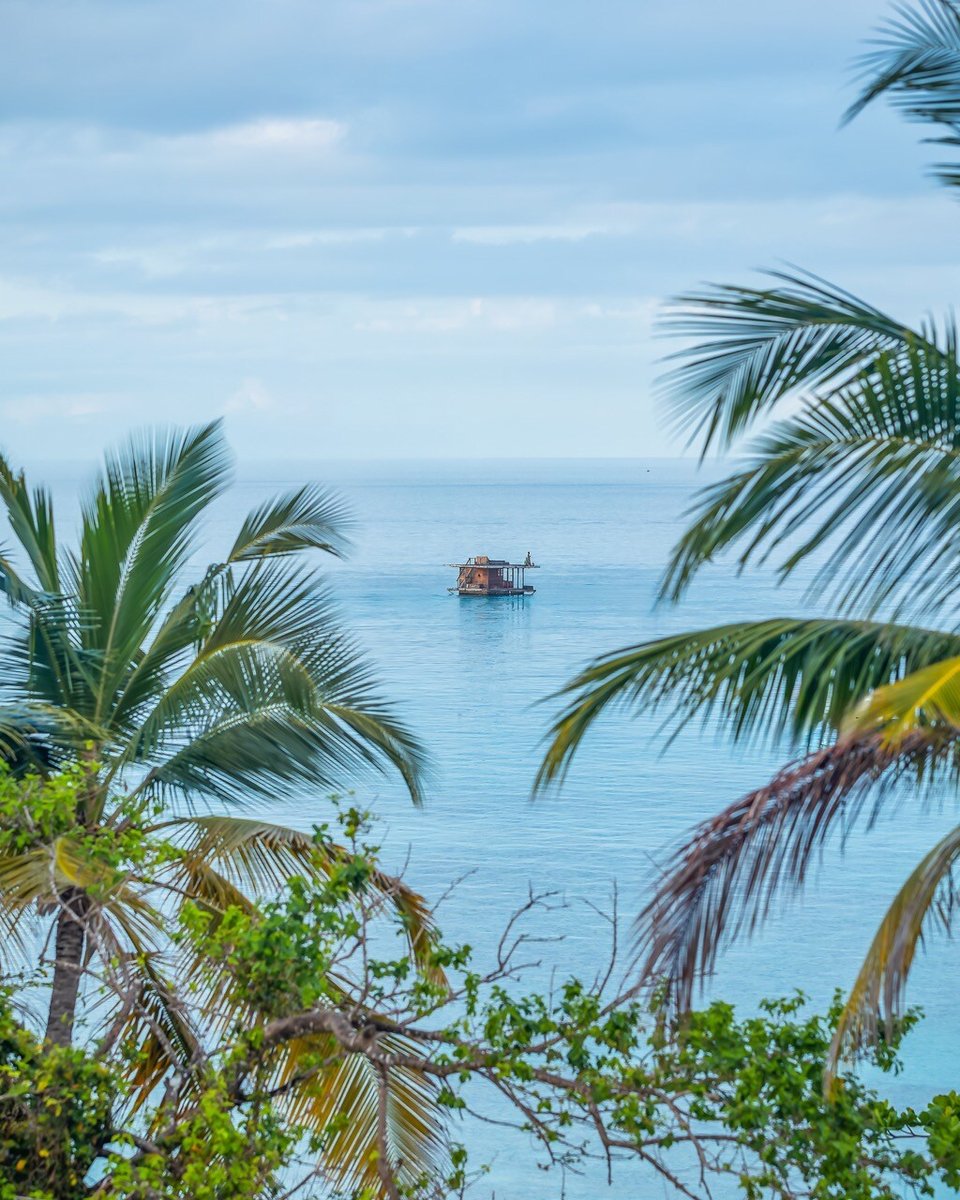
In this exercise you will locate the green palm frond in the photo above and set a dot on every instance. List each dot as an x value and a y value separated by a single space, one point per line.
307 519
723 882
756 348
272 601
876 1000
42 657
869 478
29 730
17 590
275 693
782 678
138 528
32 522
254 739
916 65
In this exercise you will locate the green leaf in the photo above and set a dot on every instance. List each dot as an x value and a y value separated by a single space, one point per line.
307 519
916 65
868 479
756 348
782 678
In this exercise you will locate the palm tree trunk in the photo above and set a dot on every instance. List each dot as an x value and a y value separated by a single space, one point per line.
67 967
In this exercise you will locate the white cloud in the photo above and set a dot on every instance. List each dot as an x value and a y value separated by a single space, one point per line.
25 300
833 220
250 396
55 141
491 314
330 237
155 262
511 235
270 133
33 410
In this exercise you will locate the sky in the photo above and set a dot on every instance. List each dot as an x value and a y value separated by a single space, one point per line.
421 228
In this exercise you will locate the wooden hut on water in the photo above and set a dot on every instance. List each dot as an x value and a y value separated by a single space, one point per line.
483 576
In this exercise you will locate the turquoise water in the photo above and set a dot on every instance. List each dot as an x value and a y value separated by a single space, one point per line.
470 675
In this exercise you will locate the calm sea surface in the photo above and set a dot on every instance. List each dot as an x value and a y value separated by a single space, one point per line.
470 676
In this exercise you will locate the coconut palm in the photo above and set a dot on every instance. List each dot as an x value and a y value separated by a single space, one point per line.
854 474
170 699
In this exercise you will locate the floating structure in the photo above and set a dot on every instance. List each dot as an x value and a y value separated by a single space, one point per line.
483 576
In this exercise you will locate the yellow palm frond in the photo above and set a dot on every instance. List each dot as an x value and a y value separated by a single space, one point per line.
877 995
163 1031
928 696
24 887
259 857
340 1103
25 878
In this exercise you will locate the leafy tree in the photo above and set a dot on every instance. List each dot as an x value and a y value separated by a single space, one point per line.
306 987
143 701
856 472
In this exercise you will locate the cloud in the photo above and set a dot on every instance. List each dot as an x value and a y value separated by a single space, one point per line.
250 396
331 237
268 134
29 410
513 235
329 206
447 316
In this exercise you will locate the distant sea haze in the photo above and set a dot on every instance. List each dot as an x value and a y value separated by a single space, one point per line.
471 676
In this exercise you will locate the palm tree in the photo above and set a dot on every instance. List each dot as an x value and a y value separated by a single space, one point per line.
160 700
856 467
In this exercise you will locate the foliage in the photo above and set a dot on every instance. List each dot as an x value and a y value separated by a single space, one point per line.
308 987
140 697
56 1113
854 476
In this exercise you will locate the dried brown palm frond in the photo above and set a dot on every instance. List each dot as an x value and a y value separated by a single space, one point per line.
723 881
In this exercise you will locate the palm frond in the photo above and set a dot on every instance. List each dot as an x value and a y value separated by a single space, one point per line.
340 1104
758 347
260 857
24 886
927 697
34 735
723 881
160 1028
32 522
251 738
928 896
778 679
915 63
138 528
867 480
310 518
17 590
276 694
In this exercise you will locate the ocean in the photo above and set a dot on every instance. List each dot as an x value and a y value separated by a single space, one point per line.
473 679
